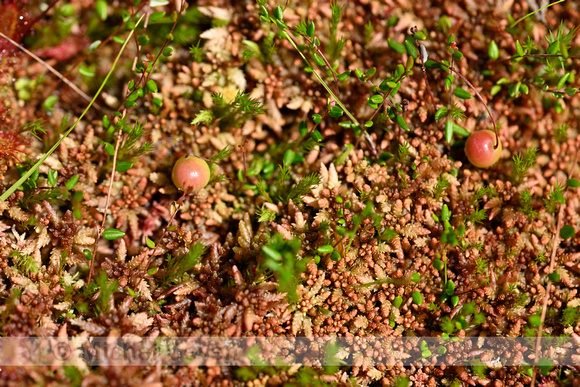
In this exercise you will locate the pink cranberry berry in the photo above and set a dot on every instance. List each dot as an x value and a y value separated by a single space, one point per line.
479 149
190 173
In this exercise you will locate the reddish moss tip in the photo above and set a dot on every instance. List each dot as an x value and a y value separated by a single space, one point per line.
190 173
479 149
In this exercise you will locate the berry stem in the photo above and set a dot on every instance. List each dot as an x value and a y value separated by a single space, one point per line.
478 96
152 256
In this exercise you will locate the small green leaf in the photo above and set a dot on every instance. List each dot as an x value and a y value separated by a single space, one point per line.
450 288
52 176
449 81
344 75
335 256
460 130
438 264
563 80
326 249
396 46
158 3
151 86
495 89
458 55
49 102
310 29
318 59
535 320
461 93
411 49
155 16
303 128
86 71
149 243
289 156
420 35
167 51
271 253
554 277
398 301
370 72
377 99
317 118
402 123
316 136
111 234
432 65
553 48
109 148
278 13
519 48
415 277
152 271
88 254
454 300
417 298
573 183
70 184
441 112
493 50
336 111
445 215
133 97
124 166
448 131
142 39
94 45
567 232
101 9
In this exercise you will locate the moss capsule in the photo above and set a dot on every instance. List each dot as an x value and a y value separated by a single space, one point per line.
479 149
190 173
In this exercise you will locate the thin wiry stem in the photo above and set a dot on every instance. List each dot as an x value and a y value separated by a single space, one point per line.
334 97
150 259
25 177
52 70
121 138
555 244
478 96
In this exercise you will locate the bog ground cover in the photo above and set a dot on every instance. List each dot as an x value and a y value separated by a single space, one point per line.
358 171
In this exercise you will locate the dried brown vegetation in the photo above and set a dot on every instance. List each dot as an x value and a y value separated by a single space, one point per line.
307 233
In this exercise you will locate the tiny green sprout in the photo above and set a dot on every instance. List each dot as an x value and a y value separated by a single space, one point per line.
438 264
149 243
567 232
88 254
554 277
417 298
111 234
398 301
190 173
479 149
326 249
70 184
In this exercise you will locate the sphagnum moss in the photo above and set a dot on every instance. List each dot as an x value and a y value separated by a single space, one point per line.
309 231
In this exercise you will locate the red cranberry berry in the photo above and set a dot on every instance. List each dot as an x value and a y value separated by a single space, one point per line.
479 149
190 173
